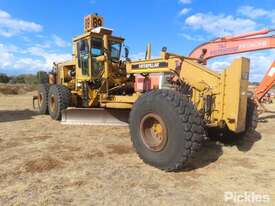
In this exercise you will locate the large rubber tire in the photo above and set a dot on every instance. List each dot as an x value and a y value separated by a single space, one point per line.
43 91
226 136
58 100
185 132
251 116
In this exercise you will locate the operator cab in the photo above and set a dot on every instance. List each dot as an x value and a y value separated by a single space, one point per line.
93 47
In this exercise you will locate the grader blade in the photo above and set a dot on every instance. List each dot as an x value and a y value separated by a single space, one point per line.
98 116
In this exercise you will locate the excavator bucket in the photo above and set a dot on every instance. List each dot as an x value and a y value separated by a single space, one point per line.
98 116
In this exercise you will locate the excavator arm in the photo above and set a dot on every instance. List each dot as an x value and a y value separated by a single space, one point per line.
248 42
267 83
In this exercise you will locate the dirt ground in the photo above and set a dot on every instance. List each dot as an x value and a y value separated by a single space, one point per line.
45 163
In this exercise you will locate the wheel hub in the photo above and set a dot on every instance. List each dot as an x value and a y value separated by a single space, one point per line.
40 99
52 103
153 132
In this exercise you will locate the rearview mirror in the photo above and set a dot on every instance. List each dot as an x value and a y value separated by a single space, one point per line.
126 53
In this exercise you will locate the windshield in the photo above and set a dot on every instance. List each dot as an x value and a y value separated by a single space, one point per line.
96 50
115 49
97 47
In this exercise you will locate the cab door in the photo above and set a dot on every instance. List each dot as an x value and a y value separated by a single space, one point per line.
83 59
88 50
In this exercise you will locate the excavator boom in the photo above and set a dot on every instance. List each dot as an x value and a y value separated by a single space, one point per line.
248 42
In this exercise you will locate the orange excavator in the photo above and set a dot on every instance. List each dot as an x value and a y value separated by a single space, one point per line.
248 42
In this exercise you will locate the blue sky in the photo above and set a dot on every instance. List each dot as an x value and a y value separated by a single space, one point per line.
35 33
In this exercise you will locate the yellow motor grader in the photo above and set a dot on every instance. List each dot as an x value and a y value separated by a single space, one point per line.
168 102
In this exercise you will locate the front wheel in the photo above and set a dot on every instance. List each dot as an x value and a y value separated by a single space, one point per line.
59 99
166 129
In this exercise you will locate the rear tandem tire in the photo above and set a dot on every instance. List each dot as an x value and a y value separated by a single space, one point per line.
180 130
43 91
251 116
226 136
58 100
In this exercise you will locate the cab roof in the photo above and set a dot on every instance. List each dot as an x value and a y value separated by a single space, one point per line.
88 34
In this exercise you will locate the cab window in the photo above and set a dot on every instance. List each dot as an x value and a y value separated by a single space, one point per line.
97 46
83 56
115 49
96 50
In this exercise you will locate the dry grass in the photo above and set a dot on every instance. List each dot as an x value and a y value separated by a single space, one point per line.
42 164
10 89
45 163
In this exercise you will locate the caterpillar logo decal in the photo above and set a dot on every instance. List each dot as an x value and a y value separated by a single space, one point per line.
152 65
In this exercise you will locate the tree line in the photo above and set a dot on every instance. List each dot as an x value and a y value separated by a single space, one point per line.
39 78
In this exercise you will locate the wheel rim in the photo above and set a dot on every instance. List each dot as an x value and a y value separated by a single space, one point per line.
52 103
40 99
153 132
